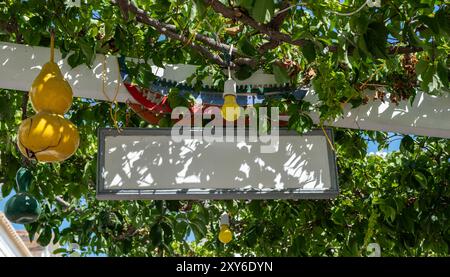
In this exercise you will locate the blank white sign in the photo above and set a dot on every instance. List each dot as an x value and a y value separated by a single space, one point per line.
148 164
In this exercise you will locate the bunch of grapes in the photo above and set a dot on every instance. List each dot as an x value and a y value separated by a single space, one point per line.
409 62
308 75
404 83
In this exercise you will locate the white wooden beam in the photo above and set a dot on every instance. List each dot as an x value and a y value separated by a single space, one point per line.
427 116
20 64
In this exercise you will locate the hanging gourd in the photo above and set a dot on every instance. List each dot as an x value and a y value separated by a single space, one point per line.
48 136
22 208
50 92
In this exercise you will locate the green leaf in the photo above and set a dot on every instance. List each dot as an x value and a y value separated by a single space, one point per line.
158 60
180 230
246 4
338 216
309 51
45 236
246 47
431 22
164 122
199 229
362 45
442 18
359 23
443 74
162 5
421 66
407 144
75 59
420 178
426 78
263 10
410 34
251 236
435 84
60 250
201 7
300 122
388 211
32 37
281 73
433 77
375 39
244 72
167 232
88 51
31 229
6 189
156 235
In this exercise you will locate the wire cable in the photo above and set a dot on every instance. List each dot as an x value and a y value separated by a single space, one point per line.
352 13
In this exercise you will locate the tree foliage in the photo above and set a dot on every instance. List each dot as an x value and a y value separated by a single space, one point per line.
397 47
400 201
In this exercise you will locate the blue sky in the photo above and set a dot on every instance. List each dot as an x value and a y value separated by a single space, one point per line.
393 146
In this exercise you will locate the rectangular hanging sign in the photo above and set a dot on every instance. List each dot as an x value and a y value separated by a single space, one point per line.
151 164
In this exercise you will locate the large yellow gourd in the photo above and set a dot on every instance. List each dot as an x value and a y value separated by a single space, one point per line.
50 92
47 137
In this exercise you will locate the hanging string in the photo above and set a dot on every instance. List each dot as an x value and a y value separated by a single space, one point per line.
114 102
52 45
328 138
194 33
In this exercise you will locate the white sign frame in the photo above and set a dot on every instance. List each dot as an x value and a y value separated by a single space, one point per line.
203 194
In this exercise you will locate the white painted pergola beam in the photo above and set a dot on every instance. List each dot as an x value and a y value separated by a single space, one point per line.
19 65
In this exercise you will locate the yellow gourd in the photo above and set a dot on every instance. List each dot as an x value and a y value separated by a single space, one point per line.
47 137
49 91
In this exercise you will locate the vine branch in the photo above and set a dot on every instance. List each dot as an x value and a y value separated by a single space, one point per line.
276 37
170 31
271 30
266 29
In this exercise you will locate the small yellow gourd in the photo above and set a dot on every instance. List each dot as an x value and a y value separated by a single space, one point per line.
49 91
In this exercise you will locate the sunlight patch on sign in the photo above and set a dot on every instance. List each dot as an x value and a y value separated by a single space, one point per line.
147 164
